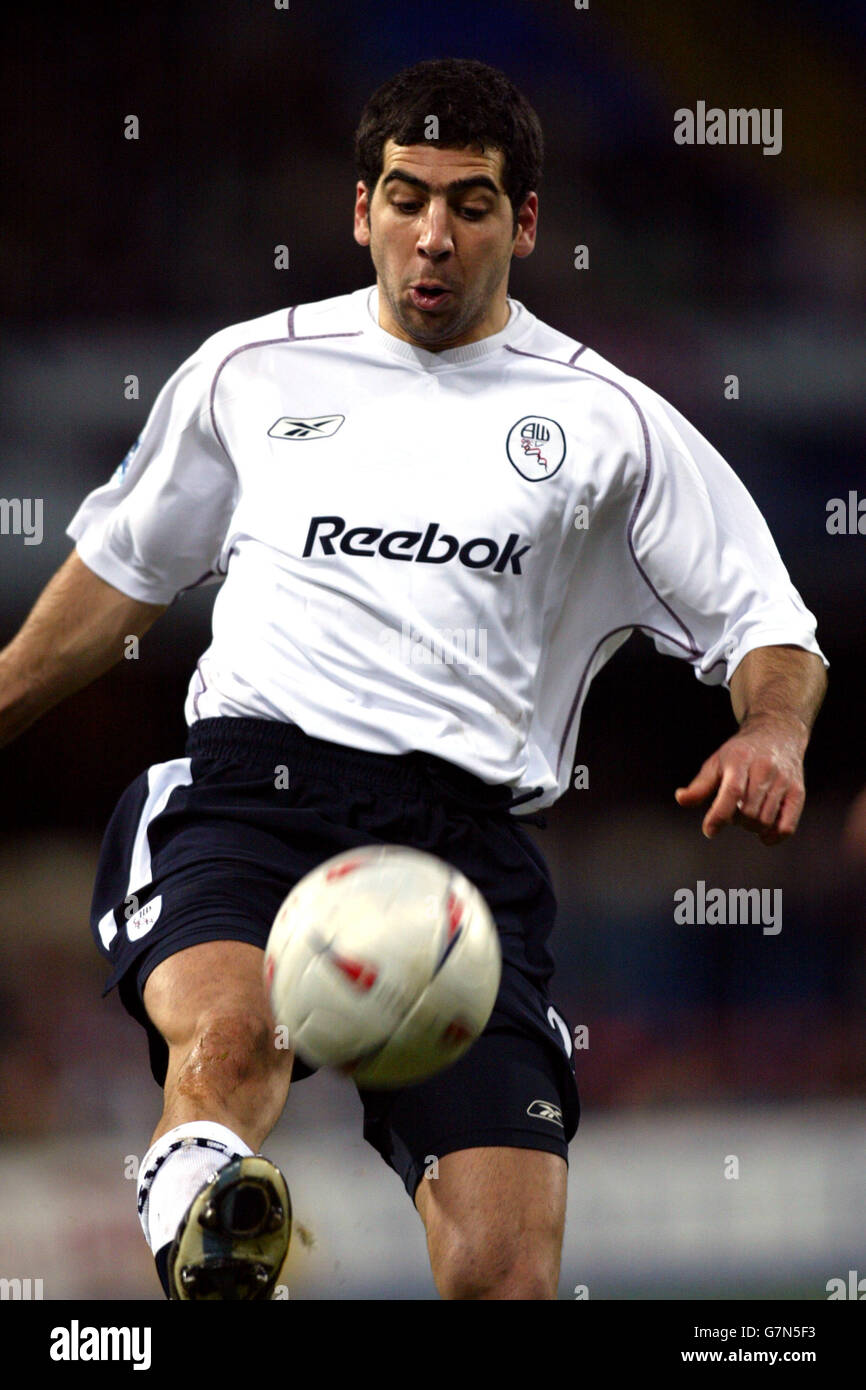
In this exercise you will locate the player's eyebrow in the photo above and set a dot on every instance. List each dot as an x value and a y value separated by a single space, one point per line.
473 181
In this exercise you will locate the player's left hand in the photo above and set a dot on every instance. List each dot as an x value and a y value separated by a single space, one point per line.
758 780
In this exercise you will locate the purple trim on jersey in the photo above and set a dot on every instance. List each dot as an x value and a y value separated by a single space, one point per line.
313 337
264 342
576 702
692 648
208 574
571 361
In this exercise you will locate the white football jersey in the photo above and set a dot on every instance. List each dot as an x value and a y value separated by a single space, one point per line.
433 551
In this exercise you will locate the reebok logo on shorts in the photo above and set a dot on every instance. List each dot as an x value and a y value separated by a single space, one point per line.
546 1110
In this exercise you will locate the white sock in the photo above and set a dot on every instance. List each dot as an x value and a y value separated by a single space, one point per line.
175 1168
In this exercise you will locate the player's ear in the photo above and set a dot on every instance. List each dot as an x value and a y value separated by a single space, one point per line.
527 226
362 214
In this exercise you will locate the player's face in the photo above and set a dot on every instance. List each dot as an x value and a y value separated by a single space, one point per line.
441 235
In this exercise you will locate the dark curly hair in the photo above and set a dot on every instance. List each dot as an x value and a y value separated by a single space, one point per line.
475 105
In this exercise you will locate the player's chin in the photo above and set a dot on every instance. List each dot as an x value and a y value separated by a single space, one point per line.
431 333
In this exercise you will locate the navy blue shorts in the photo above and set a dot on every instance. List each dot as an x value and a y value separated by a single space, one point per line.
206 847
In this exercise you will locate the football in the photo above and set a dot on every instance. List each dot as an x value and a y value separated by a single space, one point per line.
385 963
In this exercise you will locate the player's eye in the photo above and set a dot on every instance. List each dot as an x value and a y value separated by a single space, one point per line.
474 214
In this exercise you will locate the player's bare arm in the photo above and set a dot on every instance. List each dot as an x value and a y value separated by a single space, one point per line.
757 775
74 633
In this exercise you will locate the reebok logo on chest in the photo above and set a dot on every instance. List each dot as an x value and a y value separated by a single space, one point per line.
425 548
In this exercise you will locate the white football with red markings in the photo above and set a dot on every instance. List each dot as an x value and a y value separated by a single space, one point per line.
384 962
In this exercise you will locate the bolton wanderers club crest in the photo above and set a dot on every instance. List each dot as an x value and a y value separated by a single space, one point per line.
536 447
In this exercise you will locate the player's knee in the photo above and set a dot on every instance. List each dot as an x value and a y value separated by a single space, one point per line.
486 1270
227 1051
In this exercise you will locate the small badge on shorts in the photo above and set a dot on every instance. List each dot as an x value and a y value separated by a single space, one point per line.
546 1110
140 923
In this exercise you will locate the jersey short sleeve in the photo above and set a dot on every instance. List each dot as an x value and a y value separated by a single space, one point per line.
158 525
707 555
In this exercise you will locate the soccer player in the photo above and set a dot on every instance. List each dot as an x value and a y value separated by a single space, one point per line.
435 518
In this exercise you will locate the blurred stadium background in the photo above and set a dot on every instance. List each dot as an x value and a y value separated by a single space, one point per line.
120 257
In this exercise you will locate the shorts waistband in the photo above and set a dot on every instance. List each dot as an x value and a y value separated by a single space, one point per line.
418 772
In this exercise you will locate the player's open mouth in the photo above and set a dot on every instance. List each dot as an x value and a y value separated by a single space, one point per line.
428 296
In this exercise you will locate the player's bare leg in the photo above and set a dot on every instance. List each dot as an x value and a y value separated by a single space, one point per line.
209 1004
216 1216
495 1219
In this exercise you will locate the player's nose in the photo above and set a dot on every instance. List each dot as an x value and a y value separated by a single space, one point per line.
435 235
